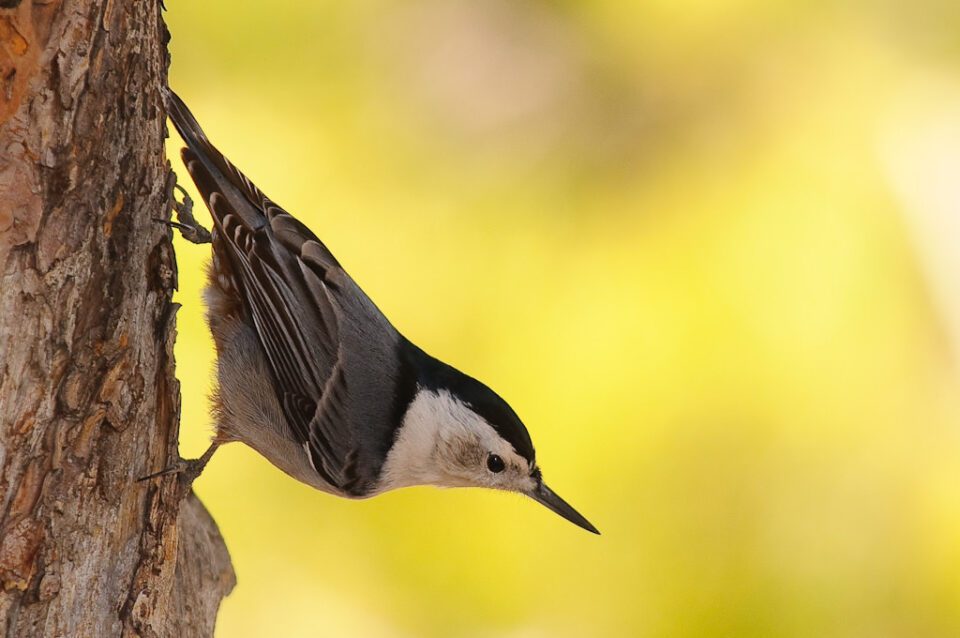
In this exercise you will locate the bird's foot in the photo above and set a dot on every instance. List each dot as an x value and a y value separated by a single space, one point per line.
190 229
187 470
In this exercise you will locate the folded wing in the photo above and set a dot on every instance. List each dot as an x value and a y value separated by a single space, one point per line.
287 280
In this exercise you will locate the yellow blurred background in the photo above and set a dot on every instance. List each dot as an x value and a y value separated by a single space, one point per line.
707 250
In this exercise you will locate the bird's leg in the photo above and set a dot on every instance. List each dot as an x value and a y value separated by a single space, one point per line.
190 229
187 469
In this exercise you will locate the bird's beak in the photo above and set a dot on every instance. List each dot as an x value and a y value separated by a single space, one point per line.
545 496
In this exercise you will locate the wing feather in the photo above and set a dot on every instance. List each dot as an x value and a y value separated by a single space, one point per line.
284 274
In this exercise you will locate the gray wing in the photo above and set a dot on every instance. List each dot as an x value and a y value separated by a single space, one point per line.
287 289
299 300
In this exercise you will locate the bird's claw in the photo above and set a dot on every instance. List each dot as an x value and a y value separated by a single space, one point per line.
173 469
187 470
190 229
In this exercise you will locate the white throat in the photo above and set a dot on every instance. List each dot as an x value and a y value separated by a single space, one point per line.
419 455
410 459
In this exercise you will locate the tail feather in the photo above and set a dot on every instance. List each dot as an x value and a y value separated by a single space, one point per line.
202 177
211 171
186 123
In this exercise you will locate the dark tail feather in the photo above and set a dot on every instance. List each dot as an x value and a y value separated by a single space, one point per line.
193 135
202 176
210 170
186 123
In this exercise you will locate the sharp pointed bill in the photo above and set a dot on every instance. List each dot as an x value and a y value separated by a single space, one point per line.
547 497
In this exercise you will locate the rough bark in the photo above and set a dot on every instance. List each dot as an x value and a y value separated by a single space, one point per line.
88 398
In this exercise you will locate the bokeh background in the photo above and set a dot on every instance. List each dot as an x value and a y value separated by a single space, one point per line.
708 251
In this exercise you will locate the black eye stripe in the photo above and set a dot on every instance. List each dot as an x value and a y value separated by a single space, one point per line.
495 464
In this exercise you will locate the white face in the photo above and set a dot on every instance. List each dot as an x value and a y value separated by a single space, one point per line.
443 442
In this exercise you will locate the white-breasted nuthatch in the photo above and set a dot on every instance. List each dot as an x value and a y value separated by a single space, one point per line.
314 377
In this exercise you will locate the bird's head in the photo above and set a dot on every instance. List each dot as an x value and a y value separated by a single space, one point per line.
457 432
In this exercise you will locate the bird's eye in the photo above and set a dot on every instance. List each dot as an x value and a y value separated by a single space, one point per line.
495 464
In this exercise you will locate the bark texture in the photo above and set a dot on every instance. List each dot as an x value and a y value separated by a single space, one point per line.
88 398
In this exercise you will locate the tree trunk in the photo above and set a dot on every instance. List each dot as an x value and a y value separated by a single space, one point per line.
88 398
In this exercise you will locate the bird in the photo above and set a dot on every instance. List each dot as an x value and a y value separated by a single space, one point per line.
313 376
